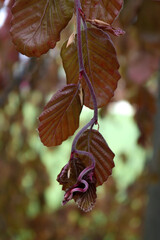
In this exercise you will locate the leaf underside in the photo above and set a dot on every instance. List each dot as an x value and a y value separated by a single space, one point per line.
60 117
92 141
36 24
87 200
103 72
105 10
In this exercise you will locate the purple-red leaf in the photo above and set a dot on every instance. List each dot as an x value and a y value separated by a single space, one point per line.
105 10
60 117
87 200
68 179
36 24
103 72
70 172
92 141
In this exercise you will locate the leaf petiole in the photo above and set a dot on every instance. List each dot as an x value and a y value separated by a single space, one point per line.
82 72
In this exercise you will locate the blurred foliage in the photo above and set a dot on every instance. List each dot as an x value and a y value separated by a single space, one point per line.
30 197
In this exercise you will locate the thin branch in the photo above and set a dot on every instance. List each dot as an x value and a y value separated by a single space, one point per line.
82 72
80 57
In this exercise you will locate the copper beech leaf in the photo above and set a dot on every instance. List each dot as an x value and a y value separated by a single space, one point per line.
60 117
36 24
103 63
85 200
105 10
92 141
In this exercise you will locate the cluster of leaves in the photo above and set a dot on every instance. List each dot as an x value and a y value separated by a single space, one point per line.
91 66
23 184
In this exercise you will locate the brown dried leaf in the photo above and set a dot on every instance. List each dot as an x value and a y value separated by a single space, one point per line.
106 27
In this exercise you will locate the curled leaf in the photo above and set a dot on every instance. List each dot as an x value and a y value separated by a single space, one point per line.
74 188
92 141
106 27
60 117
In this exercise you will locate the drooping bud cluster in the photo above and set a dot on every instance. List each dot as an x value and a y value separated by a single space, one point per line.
79 183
